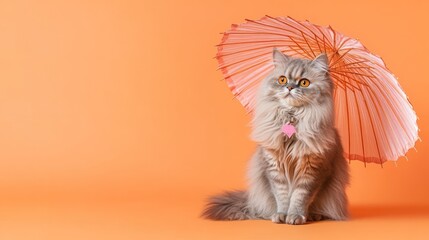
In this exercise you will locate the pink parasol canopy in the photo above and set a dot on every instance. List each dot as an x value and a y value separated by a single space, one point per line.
373 115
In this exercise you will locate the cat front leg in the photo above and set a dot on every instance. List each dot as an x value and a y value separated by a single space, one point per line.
306 186
298 209
280 190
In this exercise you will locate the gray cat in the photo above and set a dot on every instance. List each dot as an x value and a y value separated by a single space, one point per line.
298 178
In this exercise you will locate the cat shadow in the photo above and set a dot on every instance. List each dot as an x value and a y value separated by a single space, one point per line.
388 211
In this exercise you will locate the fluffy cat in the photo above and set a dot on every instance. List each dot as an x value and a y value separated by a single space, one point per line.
299 178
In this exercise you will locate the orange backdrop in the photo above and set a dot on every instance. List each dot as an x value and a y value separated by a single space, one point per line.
114 110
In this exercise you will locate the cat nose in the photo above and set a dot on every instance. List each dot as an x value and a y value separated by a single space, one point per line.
290 88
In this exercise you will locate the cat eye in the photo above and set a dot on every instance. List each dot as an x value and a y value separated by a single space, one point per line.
304 83
282 80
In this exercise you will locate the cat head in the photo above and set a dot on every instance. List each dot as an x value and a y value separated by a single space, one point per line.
297 82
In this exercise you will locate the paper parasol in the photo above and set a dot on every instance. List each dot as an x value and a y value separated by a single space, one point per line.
375 120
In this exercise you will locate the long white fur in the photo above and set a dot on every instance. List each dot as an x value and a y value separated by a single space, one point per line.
291 180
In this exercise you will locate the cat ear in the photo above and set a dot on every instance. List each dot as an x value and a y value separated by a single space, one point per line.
321 62
279 59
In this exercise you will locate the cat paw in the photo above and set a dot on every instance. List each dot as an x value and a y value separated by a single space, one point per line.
278 218
315 217
295 219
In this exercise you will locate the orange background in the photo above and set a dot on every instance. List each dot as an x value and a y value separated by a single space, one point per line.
114 123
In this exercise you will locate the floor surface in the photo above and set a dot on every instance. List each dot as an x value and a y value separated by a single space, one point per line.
163 219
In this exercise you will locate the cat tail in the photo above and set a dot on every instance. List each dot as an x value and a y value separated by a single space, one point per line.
231 205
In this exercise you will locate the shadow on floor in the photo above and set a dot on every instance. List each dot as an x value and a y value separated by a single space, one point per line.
389 211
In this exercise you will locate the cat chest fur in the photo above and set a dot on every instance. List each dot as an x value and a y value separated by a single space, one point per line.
292 158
